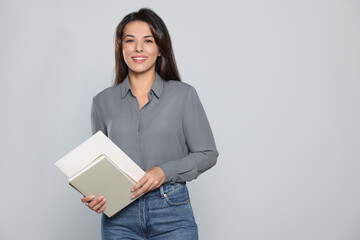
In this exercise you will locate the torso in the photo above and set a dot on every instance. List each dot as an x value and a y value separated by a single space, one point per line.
153 135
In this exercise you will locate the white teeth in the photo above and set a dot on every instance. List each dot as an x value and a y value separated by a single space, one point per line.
139 58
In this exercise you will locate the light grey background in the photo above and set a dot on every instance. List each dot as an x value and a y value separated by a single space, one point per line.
279 80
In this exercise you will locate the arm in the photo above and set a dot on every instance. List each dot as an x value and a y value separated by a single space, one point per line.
200 142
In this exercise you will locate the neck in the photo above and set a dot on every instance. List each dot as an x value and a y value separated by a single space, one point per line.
141 83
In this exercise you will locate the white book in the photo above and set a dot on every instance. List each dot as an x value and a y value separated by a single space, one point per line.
96 163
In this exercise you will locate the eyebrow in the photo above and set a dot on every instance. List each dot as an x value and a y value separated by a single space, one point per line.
129 35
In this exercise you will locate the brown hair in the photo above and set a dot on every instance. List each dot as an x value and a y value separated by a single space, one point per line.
165 64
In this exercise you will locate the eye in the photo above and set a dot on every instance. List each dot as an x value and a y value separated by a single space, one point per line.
129 40
148 41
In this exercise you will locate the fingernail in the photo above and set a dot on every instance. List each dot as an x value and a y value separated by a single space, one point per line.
132 196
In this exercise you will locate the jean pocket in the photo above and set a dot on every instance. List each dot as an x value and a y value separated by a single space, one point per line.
179 196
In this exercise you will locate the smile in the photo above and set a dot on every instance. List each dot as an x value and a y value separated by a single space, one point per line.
139 59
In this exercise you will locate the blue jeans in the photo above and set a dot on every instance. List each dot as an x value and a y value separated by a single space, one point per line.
164 213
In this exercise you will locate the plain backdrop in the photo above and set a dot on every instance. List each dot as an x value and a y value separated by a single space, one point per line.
280 83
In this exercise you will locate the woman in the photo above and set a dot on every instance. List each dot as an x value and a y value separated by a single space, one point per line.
159 122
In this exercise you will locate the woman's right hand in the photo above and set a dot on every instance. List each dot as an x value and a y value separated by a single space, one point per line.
96 204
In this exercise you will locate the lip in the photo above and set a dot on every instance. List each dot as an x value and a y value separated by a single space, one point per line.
139 60
139 56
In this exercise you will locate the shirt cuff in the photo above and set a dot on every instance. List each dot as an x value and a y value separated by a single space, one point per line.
169 170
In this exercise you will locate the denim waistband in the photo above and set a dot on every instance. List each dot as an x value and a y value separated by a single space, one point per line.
166 188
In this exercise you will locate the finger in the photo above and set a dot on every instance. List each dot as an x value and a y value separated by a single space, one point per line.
95 201
101 209
155 183
87 199
143 189
99 205
141 182
152 187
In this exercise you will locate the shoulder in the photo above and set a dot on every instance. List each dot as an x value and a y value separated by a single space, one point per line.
107 93
179 87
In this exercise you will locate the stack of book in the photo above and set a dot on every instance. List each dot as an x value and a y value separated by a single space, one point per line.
100 168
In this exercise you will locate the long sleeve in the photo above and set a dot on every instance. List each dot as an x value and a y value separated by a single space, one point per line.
96 122
199 141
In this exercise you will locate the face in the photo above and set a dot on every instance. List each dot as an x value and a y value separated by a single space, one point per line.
139 48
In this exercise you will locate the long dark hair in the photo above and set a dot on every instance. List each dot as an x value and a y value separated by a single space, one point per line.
165 64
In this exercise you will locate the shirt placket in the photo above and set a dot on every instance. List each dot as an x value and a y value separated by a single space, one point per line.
139 116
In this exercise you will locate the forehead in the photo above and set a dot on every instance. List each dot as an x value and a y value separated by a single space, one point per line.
137 28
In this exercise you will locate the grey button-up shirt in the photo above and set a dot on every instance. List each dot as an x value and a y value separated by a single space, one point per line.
171 131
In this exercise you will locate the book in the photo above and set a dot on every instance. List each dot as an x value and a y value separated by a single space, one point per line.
99 167
103 178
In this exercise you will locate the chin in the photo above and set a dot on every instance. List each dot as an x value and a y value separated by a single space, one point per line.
141 70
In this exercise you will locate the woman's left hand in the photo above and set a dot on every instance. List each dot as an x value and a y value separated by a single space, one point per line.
153 178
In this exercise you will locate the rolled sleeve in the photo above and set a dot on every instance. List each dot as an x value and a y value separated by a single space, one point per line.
199 140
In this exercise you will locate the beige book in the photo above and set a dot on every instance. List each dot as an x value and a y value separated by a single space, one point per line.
103 178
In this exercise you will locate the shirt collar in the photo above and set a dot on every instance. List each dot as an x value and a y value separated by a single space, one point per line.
157 86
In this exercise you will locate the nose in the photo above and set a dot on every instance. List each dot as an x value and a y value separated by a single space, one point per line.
138 46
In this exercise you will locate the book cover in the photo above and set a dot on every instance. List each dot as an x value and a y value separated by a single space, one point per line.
103 178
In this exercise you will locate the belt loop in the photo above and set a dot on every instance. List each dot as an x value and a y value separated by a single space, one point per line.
162 191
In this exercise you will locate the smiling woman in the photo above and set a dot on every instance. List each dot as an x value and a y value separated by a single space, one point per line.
151 23
159 122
